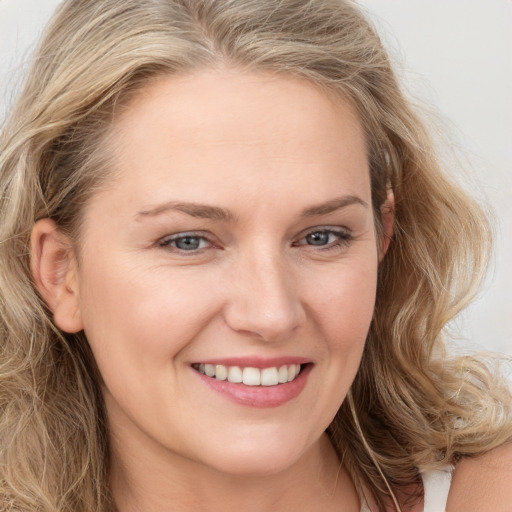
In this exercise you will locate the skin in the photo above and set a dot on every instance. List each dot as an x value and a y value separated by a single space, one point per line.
482 484
283 160
265 149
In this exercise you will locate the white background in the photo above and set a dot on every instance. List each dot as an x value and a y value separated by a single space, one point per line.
453 54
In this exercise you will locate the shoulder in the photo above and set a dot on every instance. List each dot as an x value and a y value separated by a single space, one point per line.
483 483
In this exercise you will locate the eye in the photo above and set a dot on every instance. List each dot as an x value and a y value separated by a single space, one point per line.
185 242
325 238
320 238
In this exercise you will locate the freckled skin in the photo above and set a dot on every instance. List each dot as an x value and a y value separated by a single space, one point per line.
263 148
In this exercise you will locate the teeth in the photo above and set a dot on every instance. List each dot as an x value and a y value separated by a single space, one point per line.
250 376
234 374
282 375
269 377
221 372
293 371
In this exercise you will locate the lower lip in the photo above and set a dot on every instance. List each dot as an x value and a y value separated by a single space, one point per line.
258 396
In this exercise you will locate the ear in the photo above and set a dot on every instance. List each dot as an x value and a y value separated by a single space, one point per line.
54 270
387 211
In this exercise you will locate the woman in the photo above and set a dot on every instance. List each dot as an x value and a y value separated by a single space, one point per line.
228 255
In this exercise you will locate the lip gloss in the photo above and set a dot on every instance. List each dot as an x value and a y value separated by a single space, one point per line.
258 396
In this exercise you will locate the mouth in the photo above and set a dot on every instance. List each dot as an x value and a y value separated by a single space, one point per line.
255 382
251 376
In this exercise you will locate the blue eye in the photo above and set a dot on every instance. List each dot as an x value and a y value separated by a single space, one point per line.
186 242
319 238
325 238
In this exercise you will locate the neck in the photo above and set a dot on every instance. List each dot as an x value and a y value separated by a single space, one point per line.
144 483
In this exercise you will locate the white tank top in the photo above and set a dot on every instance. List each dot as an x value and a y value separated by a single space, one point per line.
436 485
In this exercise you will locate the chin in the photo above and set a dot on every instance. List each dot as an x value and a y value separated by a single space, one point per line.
254 465
258 458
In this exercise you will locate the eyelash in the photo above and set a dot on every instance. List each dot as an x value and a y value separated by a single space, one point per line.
167 241
344 237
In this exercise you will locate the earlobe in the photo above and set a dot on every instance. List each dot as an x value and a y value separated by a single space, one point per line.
387 211
54 270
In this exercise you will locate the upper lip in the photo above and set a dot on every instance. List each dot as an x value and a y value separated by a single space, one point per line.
255 361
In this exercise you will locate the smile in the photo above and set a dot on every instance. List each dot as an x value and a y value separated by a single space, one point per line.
250 376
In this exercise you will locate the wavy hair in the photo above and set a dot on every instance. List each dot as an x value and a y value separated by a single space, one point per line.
411 406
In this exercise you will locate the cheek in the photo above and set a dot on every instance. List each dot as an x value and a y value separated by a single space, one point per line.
140 317
344 306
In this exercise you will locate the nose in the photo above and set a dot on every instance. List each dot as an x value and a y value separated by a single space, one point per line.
263 300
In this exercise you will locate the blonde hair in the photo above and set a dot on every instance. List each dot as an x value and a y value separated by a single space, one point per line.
411 407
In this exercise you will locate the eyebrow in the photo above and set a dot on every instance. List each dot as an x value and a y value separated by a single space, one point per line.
333 205
204 211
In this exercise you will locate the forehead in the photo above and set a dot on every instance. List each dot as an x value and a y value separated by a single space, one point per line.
250 99
214 129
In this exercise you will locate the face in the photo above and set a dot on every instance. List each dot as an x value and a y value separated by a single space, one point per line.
236 242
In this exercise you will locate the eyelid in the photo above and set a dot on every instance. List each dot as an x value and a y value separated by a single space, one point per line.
165 242
345 237
341 230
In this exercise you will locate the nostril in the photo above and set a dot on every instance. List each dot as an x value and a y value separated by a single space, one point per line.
266 321
263 301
